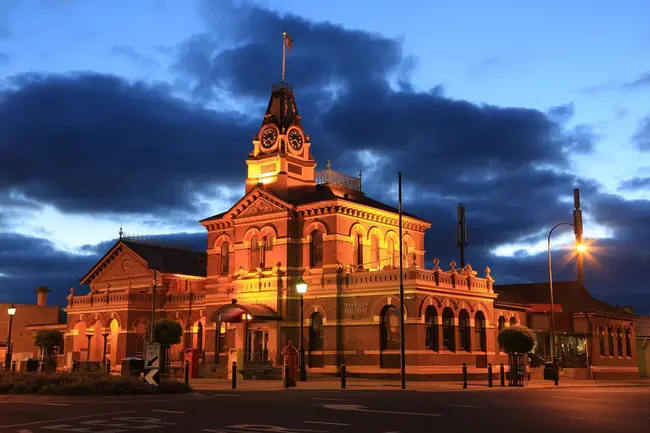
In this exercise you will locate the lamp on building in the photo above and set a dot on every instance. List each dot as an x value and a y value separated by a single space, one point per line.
301 287
11 311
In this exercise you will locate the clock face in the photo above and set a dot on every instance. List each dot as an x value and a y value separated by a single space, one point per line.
295 139
269 138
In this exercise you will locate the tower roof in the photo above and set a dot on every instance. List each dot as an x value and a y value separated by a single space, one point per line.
282 110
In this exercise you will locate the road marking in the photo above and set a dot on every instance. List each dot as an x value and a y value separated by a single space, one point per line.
465 405
66 419
330 399
227 395
54 404
325 422
167 411
357 408
272 429
23 431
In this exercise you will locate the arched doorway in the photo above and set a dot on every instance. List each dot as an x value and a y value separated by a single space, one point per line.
431 323
316 356
389 338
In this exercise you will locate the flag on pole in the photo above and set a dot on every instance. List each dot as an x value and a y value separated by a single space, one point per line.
288 41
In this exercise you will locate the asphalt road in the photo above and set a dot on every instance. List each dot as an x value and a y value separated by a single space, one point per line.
344 411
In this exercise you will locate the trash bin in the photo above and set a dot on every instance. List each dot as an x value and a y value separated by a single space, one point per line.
132 366
549 372
31 365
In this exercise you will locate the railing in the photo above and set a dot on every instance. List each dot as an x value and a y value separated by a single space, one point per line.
329 176
282 86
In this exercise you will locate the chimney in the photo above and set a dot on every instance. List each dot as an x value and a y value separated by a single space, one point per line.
41 296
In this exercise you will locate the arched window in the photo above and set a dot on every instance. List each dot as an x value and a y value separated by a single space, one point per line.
619 340
359 251
502 326
628 342
374 252
406 256
601 340
267 247
390 337
610 331
513 321
225 258
139 344
316 249
390 247
431 323
316 332
255 253
465 342
479 328
448 340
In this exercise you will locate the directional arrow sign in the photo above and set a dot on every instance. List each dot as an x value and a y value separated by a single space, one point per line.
152 356
153 377
153 362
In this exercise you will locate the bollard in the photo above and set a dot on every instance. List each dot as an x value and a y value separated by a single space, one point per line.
490 375
286 375
108 367
234 375
13 366
556 371
502 375
344 373
464 376
187 372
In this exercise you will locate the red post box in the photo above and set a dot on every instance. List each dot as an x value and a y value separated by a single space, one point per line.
192 356
290 354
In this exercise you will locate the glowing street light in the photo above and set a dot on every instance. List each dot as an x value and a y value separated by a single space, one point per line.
582 248
301 287
11 311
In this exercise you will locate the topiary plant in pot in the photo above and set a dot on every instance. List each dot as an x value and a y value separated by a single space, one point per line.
516 341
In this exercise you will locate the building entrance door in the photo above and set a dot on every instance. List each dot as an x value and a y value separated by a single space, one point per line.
257 345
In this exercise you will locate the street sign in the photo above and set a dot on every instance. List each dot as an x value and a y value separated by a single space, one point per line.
153 376
152 364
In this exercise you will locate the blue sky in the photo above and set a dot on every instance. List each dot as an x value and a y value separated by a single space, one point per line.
583 55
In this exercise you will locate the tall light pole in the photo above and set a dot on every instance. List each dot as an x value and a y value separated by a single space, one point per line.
301 287
580 248
401 287
11 311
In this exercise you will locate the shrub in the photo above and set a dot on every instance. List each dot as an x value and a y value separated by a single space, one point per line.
517 339
84 384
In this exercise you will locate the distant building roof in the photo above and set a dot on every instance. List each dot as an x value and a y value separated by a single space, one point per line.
570 297
643 326
171 260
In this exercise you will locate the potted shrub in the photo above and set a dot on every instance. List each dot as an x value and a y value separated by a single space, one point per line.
517 341
49 340
167 333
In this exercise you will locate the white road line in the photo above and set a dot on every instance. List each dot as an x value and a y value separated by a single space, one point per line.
325 422
54 404
330 399
357 408
227 395
67 419
23 431
167 411
465 405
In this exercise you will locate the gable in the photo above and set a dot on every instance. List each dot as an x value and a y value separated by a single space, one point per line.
257 202
124 265
261 206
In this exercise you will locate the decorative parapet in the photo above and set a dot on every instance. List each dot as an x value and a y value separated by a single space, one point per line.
331 177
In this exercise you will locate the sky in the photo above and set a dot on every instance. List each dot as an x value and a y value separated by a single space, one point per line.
140 115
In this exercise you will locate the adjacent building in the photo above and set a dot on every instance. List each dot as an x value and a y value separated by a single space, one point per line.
643 344
296 224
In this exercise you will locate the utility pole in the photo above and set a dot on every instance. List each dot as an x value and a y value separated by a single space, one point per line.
577 229
461 233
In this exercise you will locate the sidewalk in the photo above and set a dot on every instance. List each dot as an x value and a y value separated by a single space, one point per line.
388 385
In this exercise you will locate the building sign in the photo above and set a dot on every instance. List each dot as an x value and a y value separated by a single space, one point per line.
356 310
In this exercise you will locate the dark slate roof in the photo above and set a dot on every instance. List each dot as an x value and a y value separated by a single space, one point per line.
306 195
643 326
170 260
571 295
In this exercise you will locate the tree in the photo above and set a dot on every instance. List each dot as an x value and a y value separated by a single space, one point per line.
517 339
47 341
167 333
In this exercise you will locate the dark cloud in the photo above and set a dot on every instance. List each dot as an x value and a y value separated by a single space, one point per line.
642 136
511 166
635 183
95 143
131 54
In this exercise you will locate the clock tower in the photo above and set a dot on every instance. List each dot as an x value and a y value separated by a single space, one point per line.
281 156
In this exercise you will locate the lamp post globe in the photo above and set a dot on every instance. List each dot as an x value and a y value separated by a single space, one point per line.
11 311
301 287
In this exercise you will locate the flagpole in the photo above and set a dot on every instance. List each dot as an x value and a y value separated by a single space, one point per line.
401 288
284 52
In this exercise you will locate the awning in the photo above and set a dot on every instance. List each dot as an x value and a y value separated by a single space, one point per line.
234 312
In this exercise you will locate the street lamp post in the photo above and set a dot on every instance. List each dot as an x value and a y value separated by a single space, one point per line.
301 287
580 248
11 311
